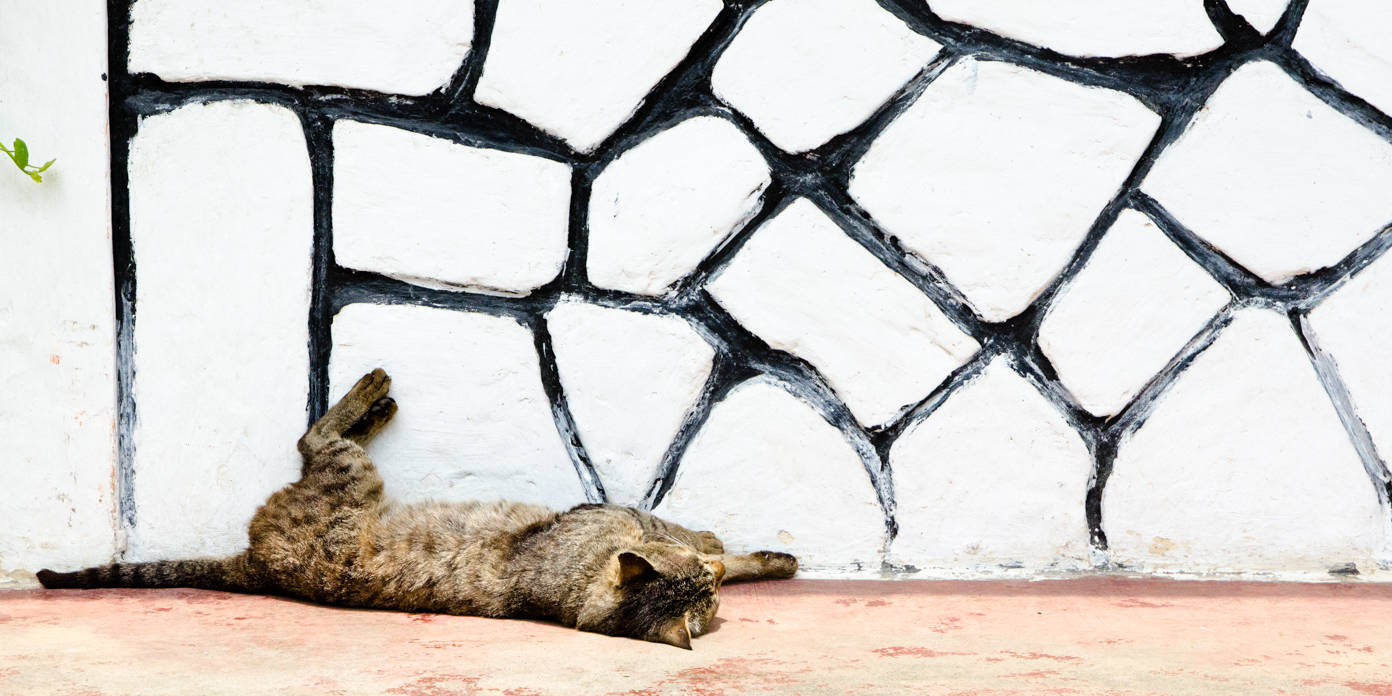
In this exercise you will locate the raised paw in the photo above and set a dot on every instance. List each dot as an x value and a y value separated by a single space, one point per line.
371 387
348 411
353 406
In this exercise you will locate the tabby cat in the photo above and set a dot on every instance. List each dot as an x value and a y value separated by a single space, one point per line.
331 537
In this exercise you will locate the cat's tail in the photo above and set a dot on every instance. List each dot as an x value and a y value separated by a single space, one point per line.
231 574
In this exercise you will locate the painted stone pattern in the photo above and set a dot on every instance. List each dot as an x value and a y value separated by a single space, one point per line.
910 289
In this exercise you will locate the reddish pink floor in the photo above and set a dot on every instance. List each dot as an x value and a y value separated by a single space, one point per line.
1087 636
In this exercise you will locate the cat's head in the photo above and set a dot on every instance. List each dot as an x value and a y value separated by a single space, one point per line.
665 593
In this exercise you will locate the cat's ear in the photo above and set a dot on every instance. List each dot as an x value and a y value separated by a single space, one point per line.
674 633
634 568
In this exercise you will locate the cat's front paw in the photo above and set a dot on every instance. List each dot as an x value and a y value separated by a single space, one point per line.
777 565
708 542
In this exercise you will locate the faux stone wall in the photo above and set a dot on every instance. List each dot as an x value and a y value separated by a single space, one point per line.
909 289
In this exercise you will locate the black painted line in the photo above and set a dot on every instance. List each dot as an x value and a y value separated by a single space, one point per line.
478 128
348 286
633 302
771 202
472 125
575 271
1327 368
1033 365
858 224
726 374
810 386
843 151
121 129
560 412
1173 123
1159 80
1329 91
884 436
461 89
1132 416
1233 27
319 141
1103 453
1234 278
1030 362
1283 34
685 86
805 381
1118 427
1021 333
1327 281
1304 291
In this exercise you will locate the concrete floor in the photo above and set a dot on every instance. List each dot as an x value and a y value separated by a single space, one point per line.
1085 636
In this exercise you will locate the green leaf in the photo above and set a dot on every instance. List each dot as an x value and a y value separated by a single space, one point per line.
35 177
21 153
45 166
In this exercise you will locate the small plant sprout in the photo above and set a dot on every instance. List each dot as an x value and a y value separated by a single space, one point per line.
20 156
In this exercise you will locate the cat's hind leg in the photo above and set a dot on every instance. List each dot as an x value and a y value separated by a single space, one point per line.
760 565
336 469
309 537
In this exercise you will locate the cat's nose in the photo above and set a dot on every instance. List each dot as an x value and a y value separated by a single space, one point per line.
719 569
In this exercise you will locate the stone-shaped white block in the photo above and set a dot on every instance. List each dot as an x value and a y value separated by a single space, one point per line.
1347 40
1091 28
1354 325
767 473
358 43
662 206
221 214
996 173
580 69
1274 177
434 212
629 379
805 287
1138 300
57 335
1243 466
995 476
807 70
474 422
1262 14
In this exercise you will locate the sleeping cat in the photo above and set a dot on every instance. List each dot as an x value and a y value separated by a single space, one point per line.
331 537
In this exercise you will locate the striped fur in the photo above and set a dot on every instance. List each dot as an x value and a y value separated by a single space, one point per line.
332 537
231 574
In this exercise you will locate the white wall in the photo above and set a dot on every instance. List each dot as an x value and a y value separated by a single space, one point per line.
846 282
57 341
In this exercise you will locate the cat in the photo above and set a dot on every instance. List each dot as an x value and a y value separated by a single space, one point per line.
332 538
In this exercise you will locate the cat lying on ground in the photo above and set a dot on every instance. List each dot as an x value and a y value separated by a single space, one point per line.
332 538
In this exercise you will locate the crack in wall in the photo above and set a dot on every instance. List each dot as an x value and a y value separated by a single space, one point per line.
1175 88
